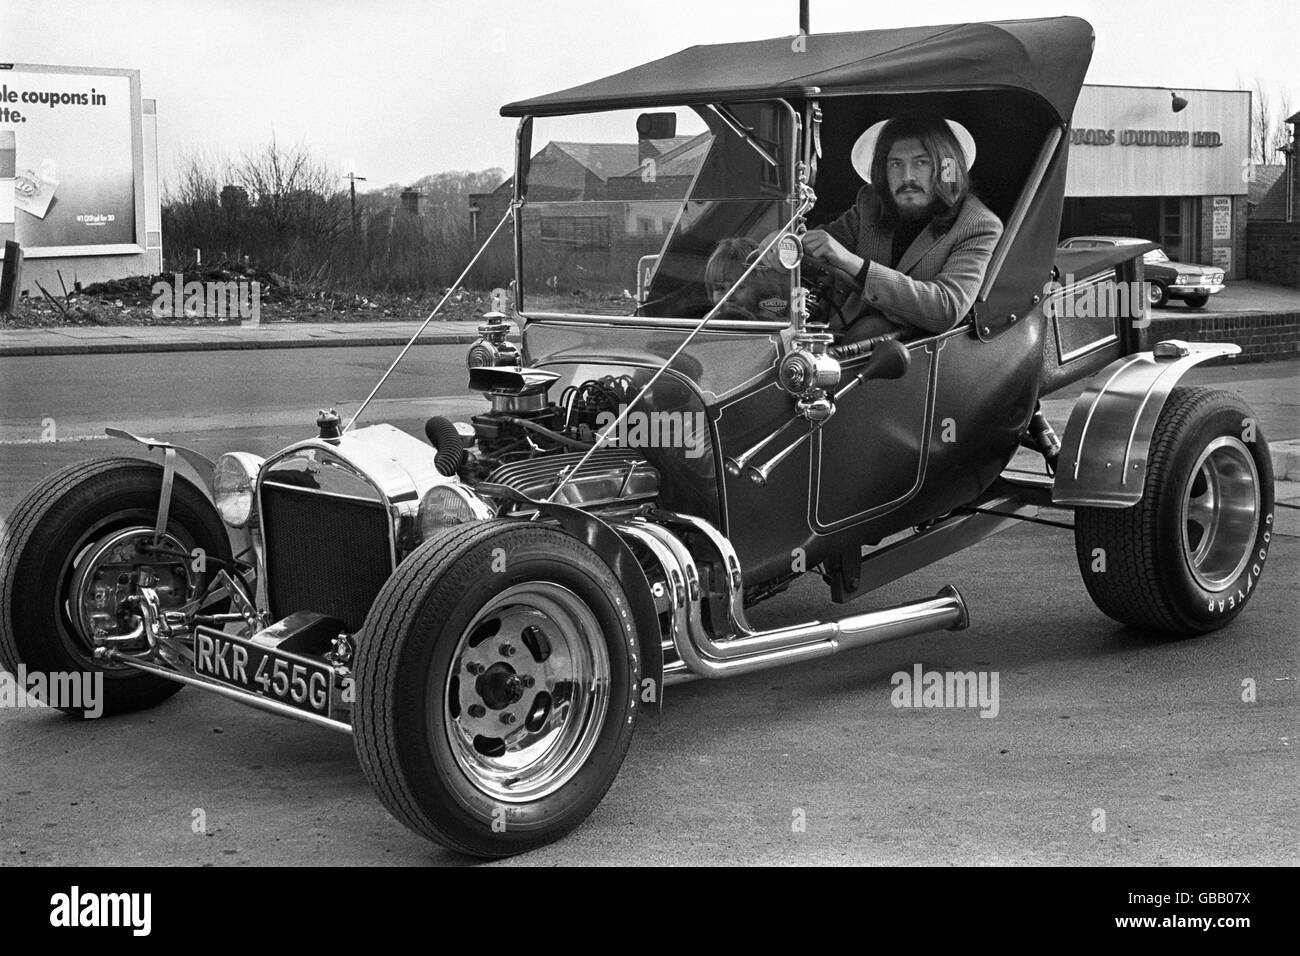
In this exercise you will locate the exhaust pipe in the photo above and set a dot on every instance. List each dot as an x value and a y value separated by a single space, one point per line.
751 650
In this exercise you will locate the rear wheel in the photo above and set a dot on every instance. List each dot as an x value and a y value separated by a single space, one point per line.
1187 557
496 687
67 557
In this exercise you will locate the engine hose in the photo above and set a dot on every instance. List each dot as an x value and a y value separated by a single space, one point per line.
543 430
446 441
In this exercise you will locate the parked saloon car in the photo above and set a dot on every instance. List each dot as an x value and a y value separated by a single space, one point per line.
490 611
1165 278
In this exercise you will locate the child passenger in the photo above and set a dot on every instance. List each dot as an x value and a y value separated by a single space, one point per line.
765 292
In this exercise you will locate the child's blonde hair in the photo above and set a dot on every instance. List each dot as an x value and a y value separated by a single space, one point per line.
730 258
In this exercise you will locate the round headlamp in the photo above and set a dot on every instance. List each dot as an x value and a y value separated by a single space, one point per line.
233 481
446 505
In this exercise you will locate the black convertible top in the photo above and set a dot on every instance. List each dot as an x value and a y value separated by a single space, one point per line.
1047 57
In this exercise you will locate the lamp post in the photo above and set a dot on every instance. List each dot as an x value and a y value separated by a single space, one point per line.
353 179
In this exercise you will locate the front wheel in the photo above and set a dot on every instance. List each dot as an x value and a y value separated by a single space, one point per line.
1188 556
496 687
1157 294
1197 301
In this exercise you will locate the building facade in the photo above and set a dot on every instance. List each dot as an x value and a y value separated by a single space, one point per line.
1138 168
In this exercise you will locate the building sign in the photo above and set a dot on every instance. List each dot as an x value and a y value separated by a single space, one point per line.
1221 258
1222 217
1126 141
75 137
1145 137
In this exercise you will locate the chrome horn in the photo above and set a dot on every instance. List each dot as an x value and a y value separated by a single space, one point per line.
736 466
890 359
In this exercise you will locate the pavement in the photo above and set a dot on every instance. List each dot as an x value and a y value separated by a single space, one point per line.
89 340
1239 298
1243 297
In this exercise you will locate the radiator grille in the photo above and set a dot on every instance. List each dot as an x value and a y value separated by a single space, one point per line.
324 553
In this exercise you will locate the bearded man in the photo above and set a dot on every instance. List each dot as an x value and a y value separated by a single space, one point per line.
913 250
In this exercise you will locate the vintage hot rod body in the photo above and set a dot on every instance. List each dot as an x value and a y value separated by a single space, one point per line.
488 610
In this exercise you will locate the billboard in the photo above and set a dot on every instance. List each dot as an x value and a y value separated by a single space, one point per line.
70 147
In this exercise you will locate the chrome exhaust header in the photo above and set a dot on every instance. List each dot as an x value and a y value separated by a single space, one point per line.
744 650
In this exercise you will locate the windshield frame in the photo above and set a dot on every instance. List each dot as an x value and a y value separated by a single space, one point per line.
523 155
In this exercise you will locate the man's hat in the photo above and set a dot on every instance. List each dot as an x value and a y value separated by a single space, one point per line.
865 148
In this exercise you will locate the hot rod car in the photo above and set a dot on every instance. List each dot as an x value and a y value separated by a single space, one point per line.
489 608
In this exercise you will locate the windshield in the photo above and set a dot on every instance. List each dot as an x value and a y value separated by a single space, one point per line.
1155 255
655 213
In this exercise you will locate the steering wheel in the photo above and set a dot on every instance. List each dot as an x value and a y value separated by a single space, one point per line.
820 285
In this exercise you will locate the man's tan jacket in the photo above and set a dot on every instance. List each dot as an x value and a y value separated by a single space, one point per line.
939 275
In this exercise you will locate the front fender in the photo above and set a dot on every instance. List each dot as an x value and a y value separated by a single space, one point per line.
203 468
606 542
1103 461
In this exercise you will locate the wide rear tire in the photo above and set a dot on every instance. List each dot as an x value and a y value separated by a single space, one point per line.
1187 558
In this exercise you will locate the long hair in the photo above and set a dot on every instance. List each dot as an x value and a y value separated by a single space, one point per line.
951 178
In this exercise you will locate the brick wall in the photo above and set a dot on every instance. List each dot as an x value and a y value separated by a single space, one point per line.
1273 251
1263 338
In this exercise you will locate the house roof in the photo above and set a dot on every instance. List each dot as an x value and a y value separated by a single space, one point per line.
1047 57
1293 118
682 160
1265 177
1272 205
614 159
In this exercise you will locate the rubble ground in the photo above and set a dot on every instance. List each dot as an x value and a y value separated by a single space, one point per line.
131 301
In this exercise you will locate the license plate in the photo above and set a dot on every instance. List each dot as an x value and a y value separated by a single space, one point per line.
299 682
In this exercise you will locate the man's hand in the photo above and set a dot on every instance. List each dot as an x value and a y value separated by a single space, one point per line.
819 244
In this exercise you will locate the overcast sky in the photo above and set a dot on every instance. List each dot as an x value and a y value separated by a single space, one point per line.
402 88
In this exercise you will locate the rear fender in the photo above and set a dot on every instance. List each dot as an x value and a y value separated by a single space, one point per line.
1103 461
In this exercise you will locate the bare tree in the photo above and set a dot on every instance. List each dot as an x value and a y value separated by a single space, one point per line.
293 193
1261 124
1284 111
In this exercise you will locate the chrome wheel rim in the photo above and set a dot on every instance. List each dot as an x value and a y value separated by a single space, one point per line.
1153 293
527 692
100 583
1220 513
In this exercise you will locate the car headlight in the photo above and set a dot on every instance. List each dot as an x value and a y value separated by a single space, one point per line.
1187 278
233 481
445 505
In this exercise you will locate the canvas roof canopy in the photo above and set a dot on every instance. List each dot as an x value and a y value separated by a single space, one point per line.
1047 57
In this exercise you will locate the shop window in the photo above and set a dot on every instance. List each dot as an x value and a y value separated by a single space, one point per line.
1171 226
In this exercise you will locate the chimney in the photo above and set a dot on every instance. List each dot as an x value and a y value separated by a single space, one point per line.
411 201
233 197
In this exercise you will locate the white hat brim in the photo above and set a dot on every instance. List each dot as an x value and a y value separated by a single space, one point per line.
865 148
